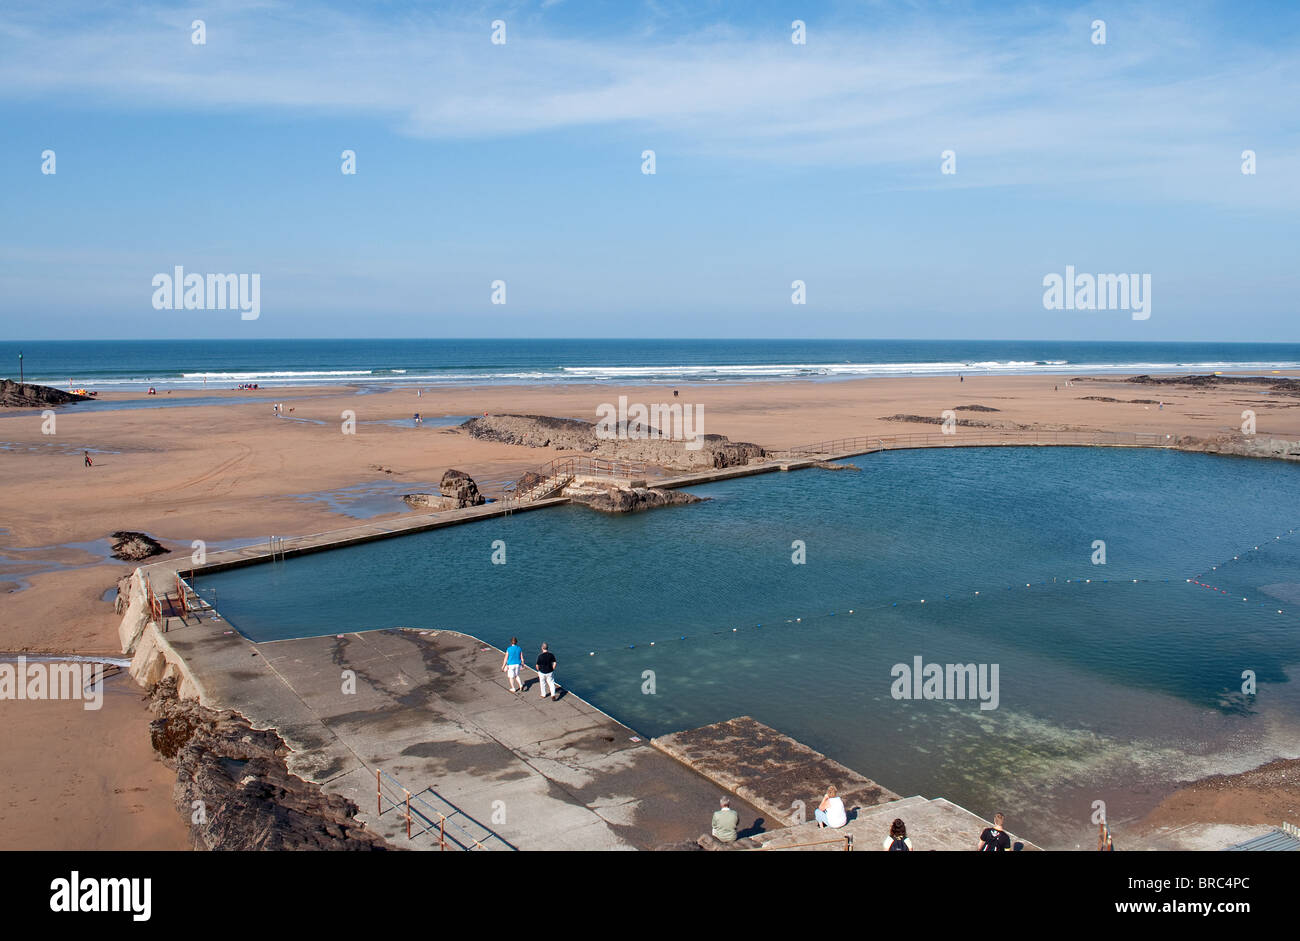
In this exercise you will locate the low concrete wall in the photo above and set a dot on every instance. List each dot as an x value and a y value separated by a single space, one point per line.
136 616
155 660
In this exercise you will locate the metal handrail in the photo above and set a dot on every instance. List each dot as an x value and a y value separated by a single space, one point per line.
846 839
409 814
1105 843
572 466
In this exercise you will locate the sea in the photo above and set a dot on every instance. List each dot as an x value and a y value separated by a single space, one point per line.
101 365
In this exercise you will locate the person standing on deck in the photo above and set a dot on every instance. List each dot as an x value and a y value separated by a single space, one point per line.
546 672
512 663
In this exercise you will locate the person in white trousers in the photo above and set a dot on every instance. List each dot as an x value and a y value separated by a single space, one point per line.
546 672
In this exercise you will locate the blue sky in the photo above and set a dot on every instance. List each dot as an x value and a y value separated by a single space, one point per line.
775 162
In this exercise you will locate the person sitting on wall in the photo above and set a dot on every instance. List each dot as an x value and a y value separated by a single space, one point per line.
725 822
830 812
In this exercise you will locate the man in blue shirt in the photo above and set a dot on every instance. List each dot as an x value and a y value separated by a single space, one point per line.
513 662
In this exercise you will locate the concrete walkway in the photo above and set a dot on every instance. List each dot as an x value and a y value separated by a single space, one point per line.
431 710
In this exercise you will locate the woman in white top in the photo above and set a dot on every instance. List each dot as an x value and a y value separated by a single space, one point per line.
830 813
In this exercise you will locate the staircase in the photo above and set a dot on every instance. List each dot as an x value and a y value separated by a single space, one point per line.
546 488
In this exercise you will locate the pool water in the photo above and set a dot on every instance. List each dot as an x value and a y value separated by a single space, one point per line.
1115 680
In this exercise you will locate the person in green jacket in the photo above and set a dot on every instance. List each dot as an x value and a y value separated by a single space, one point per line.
725 822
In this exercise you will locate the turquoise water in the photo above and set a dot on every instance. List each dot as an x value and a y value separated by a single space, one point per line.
1109 688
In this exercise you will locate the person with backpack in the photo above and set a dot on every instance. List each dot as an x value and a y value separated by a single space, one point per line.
994 839
898 841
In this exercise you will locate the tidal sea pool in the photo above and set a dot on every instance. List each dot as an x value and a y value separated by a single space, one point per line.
1116 680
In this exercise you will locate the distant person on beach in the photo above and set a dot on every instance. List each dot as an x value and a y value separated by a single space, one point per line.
546 672
512 663
725 822
830 812
898 841
89 462
994 839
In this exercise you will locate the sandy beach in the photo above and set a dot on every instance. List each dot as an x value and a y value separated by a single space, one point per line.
235 473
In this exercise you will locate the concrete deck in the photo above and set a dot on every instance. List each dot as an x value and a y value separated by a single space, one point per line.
432 711
931 825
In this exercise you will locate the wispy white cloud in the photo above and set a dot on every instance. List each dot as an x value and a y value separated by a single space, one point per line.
1163 110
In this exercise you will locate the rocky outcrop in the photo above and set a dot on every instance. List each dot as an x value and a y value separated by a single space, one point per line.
430 501
835 466
123 596
975 408
1241 446
1277 384
534 431
1107 398
460 487
963 422
132 547
232 783
629 499
27 395
634 442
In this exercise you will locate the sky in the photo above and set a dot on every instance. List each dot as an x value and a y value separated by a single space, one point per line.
775 161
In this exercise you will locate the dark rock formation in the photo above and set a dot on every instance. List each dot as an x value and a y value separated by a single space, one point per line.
1107 398
974 408
132 547
834 466
1277 384
727 453
963 422
460 486
633 500
27 395
249 800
